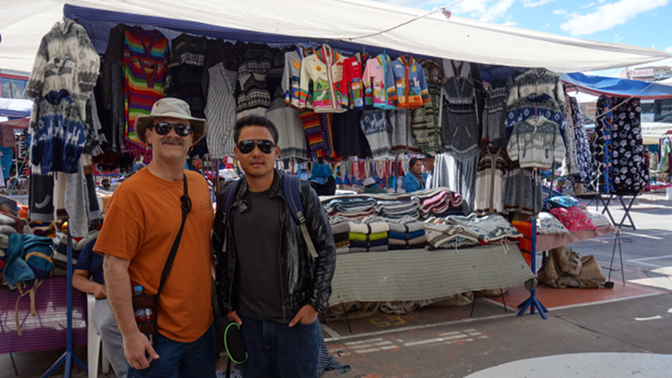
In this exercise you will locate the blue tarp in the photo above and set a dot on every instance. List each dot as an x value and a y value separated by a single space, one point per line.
15 108
597 85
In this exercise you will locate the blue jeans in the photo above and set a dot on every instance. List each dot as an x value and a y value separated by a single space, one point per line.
183 360
277 351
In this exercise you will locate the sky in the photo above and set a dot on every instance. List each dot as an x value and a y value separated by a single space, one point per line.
642 23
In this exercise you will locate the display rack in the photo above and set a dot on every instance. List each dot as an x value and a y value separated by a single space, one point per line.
532 302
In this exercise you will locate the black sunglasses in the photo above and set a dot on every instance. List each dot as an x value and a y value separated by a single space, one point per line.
163 128
247 146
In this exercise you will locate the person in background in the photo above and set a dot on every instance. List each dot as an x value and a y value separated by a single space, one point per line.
428 163
88 278
415 179
322 179
370 186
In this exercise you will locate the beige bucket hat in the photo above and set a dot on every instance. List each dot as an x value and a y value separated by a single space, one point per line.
173 108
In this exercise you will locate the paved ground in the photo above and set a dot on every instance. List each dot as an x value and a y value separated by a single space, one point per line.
446 342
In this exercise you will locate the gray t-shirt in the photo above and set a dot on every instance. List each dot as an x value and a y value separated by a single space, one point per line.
257 280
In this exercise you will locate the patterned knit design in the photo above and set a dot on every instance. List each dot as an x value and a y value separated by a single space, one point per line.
59 134
290 78
220 111
184 72
402 139
66 60
426 127
375 127
490 180
253 97
603 153
292 138
583 155
406 83
459 122
522 191
536 143
352 88
145 61
537 81
494 115
375 90
630 170
257 58
571 159
325 70
318 133
534 105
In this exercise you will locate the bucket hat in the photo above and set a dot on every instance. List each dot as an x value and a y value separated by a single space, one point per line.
173 108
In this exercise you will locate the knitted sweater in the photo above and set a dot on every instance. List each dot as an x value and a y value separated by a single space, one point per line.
406 84
292 138
352 88
220 111
459 122
494 115
374 83
325 70
290 78
535 105
490 180
376 129
66 59
425 124
537 81
185 68
59 135
253 95
536 143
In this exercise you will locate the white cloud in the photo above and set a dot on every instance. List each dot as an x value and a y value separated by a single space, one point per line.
510 23
547 25
484 10
607 16
560 12
588 6
537 3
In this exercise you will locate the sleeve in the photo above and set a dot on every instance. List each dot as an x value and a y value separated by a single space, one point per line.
559 150
423 84
513 95
560 94
511 120
366 79
222 279
304 82
320 233
485 133
85 257
88 63
512 146
391 85
345 85
35 83
121 235
559 118
35 150
285 82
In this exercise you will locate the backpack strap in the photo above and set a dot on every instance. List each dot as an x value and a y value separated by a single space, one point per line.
230 195
290 187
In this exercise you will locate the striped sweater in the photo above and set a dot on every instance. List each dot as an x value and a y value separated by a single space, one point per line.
145 61
406 84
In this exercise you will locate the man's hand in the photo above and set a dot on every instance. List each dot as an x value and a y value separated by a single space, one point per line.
99 292
136 349
233 316
306 315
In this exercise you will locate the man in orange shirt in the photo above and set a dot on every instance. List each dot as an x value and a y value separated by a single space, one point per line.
141 223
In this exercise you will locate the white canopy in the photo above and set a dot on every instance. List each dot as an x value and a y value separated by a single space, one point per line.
24 22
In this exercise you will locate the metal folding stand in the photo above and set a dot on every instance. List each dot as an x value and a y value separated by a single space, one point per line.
532 302
617 241
69 355
627 211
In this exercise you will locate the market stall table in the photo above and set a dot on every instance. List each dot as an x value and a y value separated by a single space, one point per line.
418 274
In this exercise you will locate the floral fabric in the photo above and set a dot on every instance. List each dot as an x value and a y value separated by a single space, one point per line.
549 224
597 218
566 201
573 218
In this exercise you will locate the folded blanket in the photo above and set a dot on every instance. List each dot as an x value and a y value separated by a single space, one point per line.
381 248
408 246
367 237
340 237
407 227
4 241
405 236
422 239
4 219
349 204
459 242
369 228
7 229
340 228
489 228
369 244
438 234
342 243
353 215
342 250
415 214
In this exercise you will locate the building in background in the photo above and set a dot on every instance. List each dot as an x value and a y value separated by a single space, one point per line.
647 73
13 83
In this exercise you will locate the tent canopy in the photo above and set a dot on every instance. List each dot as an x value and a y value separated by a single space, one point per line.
597 85
351 22
15 108
653 131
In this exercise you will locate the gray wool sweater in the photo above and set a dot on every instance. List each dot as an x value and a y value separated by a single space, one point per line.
536 143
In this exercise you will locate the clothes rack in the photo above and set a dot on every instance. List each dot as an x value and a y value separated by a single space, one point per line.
532 302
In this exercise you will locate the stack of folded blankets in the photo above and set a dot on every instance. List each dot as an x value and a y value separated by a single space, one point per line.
8 226
448 236
353 236
406 233
398 208
490 229
440 202
350 207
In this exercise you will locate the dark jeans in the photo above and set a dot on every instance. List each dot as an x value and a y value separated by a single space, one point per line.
277 351
183 360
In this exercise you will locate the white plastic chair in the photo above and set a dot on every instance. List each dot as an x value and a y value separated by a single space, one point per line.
94 345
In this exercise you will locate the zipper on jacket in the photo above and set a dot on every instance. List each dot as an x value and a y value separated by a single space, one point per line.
330 75
408 83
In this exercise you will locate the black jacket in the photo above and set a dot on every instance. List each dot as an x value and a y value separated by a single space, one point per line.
304 281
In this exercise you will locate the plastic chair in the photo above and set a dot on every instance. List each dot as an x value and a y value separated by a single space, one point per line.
94 345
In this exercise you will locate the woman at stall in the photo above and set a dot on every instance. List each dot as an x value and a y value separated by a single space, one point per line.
415 179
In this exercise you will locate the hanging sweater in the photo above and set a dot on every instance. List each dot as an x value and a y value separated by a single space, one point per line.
425 124
253 96
536 143
535 105
537 81
571 160
584 158
185 68
290 78
494 115
375 127
59 134
325 69
256 58
352 88
406 84
66 59
374 83
603 143
490 180
459 123
145 61
402 138
220 111
292 138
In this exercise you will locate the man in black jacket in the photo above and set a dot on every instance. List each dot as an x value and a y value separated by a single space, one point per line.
267 281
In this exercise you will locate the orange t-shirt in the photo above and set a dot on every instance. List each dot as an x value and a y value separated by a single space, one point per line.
141 223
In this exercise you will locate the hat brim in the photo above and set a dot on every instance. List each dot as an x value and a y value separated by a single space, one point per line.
142 122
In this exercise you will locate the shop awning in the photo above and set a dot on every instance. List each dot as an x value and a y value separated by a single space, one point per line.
15 108
652 132
350 22
597 85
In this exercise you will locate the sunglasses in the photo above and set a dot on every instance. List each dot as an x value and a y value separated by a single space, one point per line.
163 128
247 146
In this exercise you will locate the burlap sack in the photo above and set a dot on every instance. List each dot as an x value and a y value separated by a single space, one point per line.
566 268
